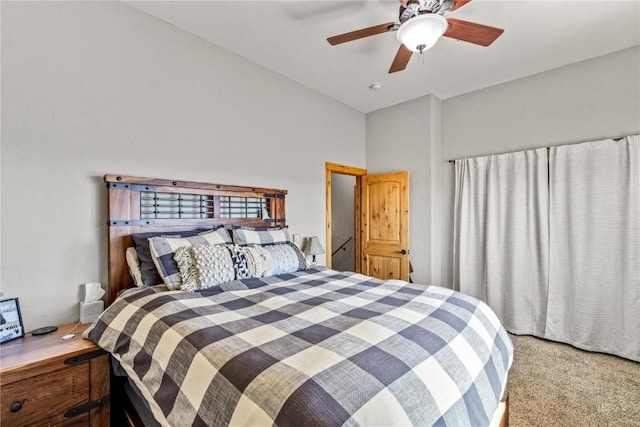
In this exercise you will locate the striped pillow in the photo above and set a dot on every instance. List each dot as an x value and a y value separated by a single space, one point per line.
247 236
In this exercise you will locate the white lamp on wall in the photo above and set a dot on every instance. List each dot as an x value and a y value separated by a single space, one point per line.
313 248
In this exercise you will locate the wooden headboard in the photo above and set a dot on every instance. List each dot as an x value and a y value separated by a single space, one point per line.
141 205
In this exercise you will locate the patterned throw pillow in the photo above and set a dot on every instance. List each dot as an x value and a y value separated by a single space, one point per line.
203 266
259 261
262 261
246 236
163 250
240 261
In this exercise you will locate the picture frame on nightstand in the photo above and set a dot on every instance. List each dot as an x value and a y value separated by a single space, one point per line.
11 326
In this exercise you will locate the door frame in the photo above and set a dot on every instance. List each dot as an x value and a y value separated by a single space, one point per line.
358 173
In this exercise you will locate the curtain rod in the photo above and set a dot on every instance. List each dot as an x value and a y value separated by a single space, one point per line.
548 148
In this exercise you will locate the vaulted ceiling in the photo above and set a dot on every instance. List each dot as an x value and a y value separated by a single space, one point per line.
289 38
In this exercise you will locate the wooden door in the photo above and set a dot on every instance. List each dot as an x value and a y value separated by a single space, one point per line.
385 225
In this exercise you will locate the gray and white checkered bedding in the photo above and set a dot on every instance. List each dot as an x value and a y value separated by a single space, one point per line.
315 347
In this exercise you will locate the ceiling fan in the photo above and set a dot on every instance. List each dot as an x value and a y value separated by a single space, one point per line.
422 22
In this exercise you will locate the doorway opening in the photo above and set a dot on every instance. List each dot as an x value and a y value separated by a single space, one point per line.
343 224
343 216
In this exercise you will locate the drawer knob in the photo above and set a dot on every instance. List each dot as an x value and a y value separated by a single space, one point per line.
16 406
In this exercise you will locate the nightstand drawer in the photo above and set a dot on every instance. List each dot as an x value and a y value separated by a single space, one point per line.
44 399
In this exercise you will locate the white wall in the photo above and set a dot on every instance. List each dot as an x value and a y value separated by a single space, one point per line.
437 275
587 101
400 138
90 88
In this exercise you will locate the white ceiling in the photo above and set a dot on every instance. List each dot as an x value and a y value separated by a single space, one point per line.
289 38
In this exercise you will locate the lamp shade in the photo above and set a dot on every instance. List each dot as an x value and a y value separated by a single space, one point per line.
313 246
422 32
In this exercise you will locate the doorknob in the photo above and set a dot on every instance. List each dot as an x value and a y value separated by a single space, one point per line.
403 252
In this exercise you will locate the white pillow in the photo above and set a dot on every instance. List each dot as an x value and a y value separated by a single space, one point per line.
134 266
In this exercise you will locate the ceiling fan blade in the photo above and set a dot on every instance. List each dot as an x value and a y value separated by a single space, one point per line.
472 32
401 60
359 34
457 4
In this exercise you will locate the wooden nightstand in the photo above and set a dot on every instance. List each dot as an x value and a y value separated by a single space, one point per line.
46 380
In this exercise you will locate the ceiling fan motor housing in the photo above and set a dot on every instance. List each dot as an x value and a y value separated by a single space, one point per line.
419 7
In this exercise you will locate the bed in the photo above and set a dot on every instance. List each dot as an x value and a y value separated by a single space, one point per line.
283 344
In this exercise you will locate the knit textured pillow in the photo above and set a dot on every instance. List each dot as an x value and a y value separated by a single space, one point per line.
204 266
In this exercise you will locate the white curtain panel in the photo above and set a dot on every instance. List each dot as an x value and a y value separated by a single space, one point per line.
501 236
594 267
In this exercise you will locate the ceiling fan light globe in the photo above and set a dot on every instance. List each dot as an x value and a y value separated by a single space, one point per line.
422 32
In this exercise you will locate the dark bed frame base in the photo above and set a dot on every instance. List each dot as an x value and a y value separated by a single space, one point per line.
123 413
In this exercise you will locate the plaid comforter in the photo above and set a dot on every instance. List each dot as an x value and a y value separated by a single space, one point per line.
316 347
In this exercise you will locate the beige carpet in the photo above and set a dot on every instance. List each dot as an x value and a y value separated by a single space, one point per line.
553 384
